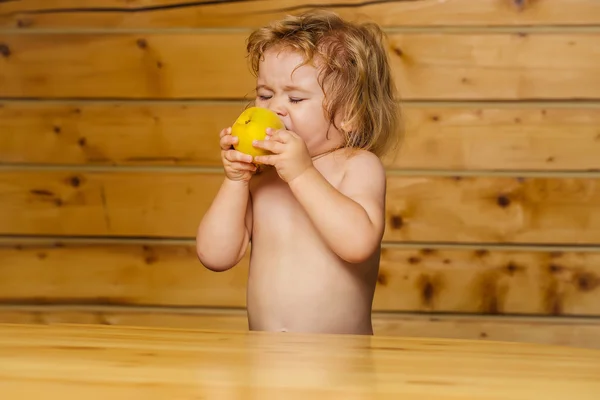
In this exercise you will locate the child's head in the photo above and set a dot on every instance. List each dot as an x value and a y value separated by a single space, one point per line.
328 79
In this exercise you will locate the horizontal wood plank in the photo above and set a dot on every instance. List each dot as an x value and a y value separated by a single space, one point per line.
480 281
105 203
177 13
116 274
583 333
419 208
488 137
213 66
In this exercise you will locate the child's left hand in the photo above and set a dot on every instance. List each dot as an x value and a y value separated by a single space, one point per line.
290 156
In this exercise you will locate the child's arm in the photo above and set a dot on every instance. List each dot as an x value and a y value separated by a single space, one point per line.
351 220
224 232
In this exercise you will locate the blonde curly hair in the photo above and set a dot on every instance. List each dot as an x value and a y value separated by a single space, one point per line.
354 72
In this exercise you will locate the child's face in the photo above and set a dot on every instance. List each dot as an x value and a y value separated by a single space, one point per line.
297 98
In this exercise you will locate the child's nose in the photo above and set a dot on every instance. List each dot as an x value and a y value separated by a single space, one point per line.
278 107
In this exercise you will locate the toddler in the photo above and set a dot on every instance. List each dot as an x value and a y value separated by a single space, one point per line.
315 214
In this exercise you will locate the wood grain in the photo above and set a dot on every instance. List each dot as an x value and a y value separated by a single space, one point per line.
124 65
105 203
165 14
460 137
574 332
213 66
154 363
426 280
493 209
165 203
118 274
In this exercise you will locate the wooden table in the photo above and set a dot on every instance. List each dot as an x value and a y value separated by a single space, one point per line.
112 363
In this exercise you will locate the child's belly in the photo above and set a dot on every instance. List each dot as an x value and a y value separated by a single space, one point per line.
305 288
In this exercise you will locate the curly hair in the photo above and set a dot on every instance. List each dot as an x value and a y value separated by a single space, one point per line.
354 72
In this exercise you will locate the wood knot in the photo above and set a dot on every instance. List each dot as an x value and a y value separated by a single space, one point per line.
24 23
75 181
142 43
414 260
586 281
396 222
382 279
511 268
429 288
554 268
82 142
398 51
482 253
41 192
57 129
503 201
150 256
150 259
4 50
427 293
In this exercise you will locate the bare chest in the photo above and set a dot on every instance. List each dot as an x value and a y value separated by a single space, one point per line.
274 205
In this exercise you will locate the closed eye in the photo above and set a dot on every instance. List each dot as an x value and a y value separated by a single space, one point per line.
292 100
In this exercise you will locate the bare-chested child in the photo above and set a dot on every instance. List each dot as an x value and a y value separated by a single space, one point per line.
315 214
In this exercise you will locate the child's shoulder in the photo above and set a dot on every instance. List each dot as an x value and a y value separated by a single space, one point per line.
361 164
359 159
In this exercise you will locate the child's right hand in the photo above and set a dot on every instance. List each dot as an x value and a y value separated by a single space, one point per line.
238 166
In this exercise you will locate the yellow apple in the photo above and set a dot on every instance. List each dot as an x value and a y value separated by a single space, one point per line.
252 125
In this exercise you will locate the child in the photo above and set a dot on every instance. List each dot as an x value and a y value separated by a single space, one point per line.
315 216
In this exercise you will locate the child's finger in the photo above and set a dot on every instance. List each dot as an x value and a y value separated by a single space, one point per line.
268 160
227 141
236 156
226 131
270 145
242 166
279 135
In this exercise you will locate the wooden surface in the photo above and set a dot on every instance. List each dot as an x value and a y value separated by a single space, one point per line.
109 116
154 273
496 136
125 363
552 330
457 209
426 66
31 14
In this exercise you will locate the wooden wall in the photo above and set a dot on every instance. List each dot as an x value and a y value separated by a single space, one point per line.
109 119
